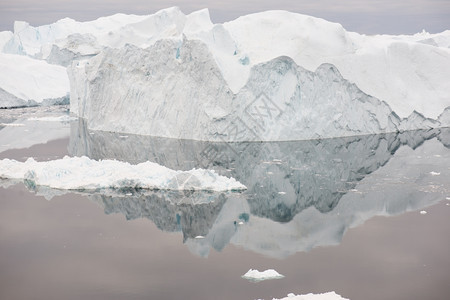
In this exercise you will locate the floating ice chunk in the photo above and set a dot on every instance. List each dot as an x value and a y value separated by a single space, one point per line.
255 275
435 173
324 296
82 173
423 212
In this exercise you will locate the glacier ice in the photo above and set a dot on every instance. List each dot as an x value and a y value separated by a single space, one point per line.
154 67
259 62
26 82
82 173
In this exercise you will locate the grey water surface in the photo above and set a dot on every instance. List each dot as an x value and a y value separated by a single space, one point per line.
337 215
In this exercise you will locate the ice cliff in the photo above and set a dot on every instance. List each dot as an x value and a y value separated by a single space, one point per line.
256 78
273 75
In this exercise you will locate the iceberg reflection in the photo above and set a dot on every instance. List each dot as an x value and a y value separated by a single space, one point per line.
300 195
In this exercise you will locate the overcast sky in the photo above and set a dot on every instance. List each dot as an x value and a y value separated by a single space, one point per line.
364 16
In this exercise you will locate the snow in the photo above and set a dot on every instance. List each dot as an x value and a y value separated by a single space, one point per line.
82 173
324 296
25 81
255 275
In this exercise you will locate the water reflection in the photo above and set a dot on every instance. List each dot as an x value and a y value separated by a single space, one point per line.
301 194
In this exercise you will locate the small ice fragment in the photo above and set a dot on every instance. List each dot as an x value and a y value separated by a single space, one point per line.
241 223
353 190
282 193
128 194
448 204
435 173
199 237
448 198
423 212
255 275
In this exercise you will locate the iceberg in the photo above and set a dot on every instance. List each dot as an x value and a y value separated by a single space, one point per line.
310 296
28 82
82 173
255 275
258 79
273 75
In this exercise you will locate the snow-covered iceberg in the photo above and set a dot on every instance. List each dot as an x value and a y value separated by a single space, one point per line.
82 173
268 76
27 82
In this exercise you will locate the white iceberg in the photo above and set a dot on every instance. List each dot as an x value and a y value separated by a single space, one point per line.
26 82
205 81
274 75
324 296
82 173
255 275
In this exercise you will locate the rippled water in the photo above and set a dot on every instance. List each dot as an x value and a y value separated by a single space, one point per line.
335 214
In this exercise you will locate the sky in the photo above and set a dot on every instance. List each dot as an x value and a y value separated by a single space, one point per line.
363 16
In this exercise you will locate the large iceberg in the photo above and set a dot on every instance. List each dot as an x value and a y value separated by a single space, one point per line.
273 75
256 78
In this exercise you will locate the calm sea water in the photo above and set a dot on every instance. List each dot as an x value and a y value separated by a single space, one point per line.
331 215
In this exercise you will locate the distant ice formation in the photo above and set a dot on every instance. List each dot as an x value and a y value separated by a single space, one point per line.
273 75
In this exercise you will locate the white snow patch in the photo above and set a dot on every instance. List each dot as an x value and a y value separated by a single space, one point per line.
82 173
255 275
423 212
435 173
